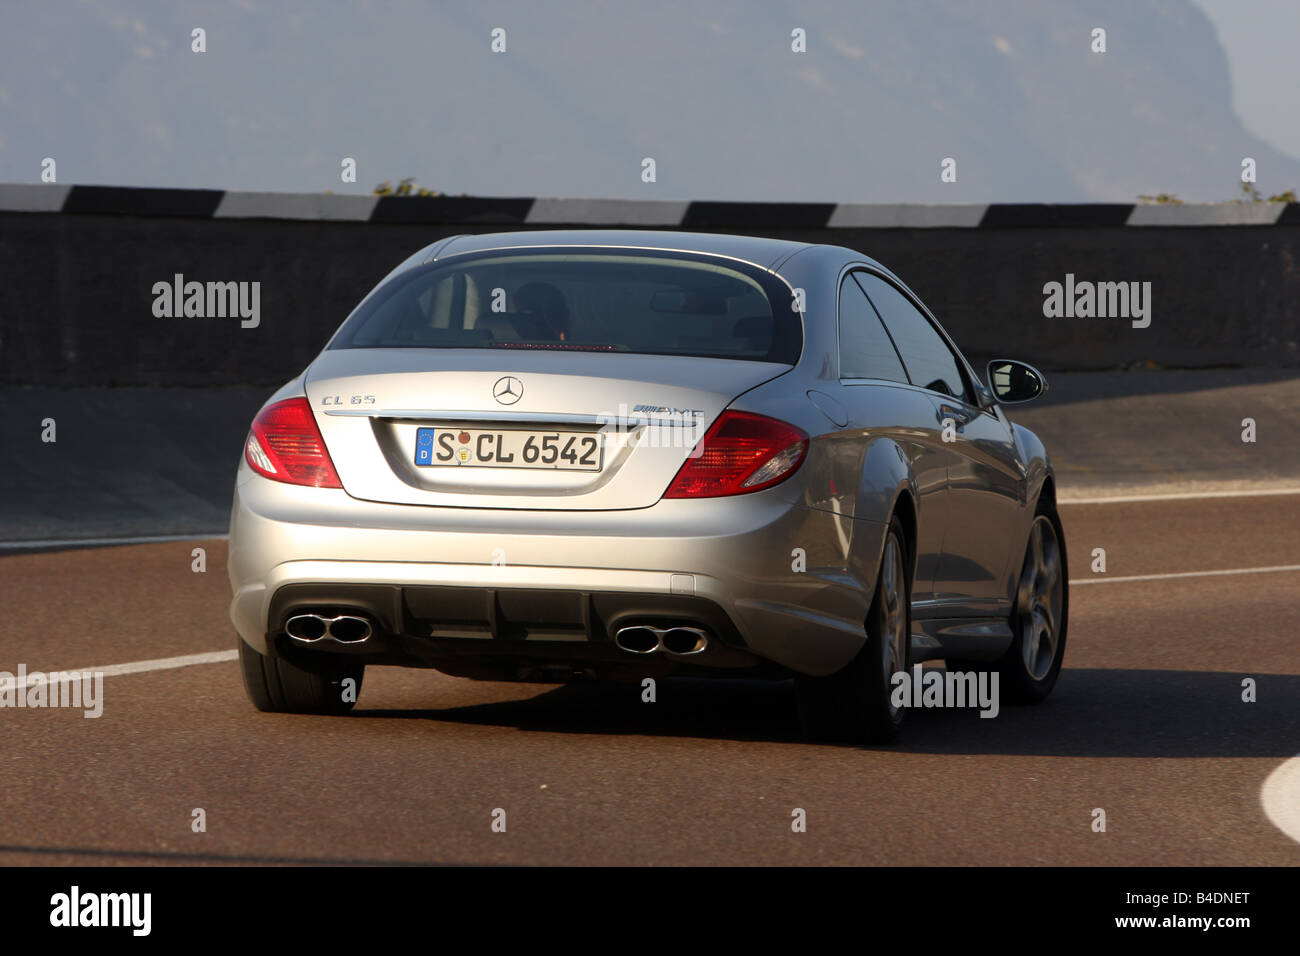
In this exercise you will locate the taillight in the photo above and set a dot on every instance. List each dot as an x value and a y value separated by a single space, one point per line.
741 453
285 445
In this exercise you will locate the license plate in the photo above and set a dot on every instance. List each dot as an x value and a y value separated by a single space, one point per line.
483 448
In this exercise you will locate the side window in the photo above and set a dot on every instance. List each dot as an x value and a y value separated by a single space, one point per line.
930 362
865 349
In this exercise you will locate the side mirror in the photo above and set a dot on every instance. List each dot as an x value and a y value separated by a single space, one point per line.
1014 382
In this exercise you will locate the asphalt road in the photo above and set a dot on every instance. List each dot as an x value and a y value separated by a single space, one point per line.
1147 723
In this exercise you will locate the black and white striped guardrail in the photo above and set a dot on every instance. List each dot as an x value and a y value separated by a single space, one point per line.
475 210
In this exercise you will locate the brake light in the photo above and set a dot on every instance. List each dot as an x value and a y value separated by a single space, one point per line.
740 453
285 445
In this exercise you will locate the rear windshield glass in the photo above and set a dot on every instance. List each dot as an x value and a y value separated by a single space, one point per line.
656 304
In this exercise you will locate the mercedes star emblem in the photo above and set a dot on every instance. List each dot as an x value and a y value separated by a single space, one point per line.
508 390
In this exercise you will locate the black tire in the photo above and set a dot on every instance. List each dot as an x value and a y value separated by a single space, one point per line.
853 704
276 686
1021 682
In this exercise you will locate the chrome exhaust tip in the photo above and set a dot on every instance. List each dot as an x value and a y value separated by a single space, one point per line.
343 628
684 641
637 639
678 640
350 629
307 628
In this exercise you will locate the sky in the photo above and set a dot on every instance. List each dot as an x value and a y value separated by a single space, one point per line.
585 92
1259 37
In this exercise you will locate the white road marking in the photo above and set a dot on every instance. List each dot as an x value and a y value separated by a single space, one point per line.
1184 574
89 542
140 667
1068 499
1280 797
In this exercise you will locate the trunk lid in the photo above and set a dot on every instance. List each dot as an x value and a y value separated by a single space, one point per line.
634 417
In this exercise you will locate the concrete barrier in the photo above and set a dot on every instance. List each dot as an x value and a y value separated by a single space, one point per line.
80 265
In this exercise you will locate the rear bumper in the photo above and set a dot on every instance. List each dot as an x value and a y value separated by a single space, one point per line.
513 633
776 583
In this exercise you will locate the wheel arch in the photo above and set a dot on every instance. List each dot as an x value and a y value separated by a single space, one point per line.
888 488
905 509
1047 490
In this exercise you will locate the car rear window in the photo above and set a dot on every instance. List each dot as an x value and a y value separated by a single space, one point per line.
648 303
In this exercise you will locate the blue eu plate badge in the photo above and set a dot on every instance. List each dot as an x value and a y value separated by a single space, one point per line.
424 446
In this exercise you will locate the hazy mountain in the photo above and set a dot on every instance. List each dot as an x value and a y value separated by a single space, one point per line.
584 91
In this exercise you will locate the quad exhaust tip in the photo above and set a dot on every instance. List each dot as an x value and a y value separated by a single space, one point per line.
638 640
684 641
344 628
678 640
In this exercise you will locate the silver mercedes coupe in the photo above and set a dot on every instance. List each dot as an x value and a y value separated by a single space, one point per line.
625 455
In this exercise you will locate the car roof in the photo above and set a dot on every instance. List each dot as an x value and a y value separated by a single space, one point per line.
764 253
